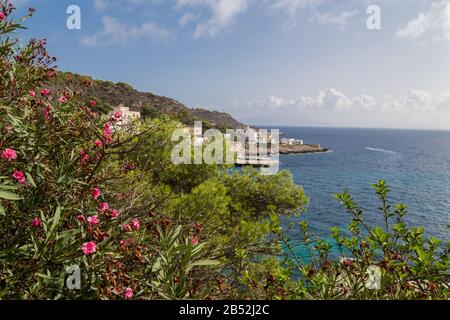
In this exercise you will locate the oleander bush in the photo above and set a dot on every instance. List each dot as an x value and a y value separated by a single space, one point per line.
79 192
61 169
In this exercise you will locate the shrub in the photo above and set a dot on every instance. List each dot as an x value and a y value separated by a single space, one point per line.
408 265
58 206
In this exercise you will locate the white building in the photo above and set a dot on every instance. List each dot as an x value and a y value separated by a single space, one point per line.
291 141
251 135
127 115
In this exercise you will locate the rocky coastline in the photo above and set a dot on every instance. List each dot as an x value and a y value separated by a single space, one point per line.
301 148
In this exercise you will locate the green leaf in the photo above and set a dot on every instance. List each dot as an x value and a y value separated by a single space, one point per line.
196 250
30 179
202 263
9 196
157 265
424 256
45 276
9 187
55 221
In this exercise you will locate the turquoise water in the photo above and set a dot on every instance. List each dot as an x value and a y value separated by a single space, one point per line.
416 165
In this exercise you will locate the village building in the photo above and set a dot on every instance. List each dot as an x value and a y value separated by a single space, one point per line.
127 115
291 141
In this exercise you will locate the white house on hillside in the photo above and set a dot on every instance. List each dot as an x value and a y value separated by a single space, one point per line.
127 115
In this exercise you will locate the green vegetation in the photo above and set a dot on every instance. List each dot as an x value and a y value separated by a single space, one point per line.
410 266
108 94
149 112
74 191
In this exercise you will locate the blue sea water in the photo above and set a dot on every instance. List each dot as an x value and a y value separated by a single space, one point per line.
415 164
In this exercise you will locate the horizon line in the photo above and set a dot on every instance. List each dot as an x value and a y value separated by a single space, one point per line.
347 127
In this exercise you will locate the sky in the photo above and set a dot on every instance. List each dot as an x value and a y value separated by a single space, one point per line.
266 62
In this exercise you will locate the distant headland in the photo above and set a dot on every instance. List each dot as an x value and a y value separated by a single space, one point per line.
288 146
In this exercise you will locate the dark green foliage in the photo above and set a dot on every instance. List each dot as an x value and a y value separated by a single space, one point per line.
149 112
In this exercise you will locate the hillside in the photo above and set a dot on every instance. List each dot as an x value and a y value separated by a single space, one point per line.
109 94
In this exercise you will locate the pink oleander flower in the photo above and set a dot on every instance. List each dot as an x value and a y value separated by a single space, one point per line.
20 176
46 112
118 115
104 206
84 156
9 154
107 129
127 228
198 227
45 92
115 214
99 143
89 248
32 93
93 103
2 16
81 218
107 133
93 220
36 222
96 192
135 224
63 99
195 240
128 293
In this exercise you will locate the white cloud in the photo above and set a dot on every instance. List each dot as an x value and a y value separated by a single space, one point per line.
414 101
211 17
186 19
418 102
331 99
335 19
223 14
100 4
114 32
103 5
291 7
433 24
317 10
415 109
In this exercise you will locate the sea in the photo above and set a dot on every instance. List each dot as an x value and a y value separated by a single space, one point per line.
414 163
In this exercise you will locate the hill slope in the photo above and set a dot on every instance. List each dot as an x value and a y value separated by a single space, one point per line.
111 94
